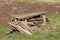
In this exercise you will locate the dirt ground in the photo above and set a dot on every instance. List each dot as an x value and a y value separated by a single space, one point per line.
8 8
1 36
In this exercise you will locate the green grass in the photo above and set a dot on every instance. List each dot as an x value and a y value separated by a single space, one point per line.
54 1
56 18
4 30
50 35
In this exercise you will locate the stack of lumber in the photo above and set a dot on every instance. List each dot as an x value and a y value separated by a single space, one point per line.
30 18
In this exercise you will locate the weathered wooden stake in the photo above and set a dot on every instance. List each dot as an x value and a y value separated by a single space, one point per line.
44 19
26 24
26 21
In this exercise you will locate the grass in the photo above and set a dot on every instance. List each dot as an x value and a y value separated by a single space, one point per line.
4 30
53 1
56 18
50 35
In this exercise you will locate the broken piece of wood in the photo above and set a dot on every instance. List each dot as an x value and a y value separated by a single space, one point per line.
18 27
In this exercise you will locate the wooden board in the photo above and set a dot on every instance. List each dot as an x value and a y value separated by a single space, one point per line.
20 27
28 15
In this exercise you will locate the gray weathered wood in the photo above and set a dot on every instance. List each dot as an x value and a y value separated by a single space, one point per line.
27 15
20 28
26 25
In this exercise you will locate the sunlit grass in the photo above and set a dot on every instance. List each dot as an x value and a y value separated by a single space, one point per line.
53 1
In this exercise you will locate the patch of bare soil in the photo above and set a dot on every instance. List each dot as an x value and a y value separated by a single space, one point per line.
8 8
1 36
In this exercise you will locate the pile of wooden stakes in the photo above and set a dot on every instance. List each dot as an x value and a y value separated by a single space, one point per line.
22 22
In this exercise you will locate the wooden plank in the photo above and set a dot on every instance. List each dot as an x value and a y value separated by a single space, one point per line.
38 19
20 28
28 15
44 19
25 23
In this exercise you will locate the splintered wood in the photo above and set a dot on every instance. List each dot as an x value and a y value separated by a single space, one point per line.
21 27
22 22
